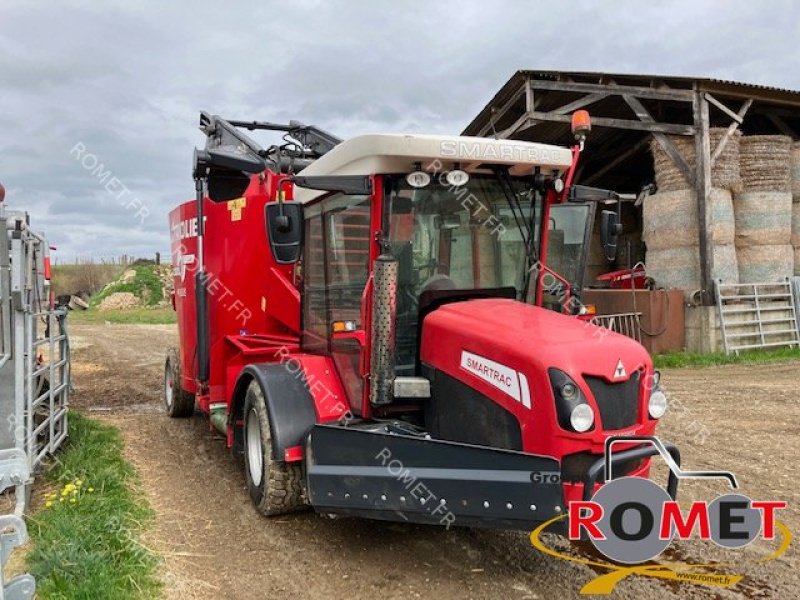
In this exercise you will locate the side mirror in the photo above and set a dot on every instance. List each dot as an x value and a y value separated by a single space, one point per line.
583 193
610 228
228 172
285 231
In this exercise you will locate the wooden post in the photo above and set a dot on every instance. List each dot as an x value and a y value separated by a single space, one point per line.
703 191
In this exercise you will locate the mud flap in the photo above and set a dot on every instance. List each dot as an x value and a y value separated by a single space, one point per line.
379 475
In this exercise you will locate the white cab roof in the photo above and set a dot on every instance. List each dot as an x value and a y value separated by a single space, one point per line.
397 153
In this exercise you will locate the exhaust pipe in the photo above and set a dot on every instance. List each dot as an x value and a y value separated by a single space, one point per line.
384 306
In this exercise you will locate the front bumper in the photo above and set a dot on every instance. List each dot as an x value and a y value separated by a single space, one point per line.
601 467
379 474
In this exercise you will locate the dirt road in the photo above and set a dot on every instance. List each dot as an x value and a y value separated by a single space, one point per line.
215 545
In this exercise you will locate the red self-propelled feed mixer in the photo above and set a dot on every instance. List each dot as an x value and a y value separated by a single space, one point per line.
389 326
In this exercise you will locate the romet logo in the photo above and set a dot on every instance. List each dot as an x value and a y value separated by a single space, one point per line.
631 520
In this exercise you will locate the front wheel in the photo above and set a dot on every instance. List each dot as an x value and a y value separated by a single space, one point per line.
177 402
275 487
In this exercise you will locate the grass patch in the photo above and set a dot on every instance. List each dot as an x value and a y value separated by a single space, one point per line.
145 285
89 548
130 316
688 359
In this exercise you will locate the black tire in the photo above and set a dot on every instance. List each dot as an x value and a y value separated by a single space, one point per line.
275 487
178 403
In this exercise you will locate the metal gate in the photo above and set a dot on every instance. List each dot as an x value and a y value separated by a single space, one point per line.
34 378
758 315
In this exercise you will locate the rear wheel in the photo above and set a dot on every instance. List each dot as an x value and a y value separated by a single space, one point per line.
177 402
274 486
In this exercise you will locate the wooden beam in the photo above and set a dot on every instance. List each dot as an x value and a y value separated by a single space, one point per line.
514 128
616 161
782 126
724 108
673 128
703 190
580 103
590 88
498 113
731 130
663 141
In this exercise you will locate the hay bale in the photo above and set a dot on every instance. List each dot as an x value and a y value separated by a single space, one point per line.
796 171
765 264
796 225
765 163
671 219
724 173
763 218
679 267
797 262
119 301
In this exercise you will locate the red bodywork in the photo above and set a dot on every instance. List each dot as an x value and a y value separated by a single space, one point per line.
255 317
254 304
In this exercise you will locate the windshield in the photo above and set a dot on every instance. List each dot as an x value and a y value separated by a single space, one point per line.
566 239
457 238
465 237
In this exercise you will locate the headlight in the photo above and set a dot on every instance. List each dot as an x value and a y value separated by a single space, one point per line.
573 411
658 404
582 418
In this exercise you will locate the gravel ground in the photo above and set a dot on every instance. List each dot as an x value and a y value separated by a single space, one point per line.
740 418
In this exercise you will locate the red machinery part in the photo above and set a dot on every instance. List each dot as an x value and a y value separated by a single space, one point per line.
625 279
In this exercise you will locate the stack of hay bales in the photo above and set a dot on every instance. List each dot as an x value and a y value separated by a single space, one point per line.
796 206
671 220
763 210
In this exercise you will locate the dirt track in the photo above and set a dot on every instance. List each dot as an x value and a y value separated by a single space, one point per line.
215 545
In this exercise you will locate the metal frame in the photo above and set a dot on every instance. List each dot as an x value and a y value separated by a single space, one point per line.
34 377
757 305
627 324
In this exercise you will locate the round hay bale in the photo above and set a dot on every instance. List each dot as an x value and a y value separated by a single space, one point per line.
671 219
679 267
796 171
796 225
763 218
765 163
765 264
724 173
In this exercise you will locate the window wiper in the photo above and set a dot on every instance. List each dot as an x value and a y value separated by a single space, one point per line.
525 226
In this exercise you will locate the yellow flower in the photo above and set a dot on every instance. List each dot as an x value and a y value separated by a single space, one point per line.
69 487
48 504
61 499
72 500
90 490
78 482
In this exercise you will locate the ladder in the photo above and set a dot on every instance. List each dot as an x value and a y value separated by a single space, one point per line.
758 315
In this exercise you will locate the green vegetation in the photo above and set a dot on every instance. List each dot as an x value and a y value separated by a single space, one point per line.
85 541
85 277
129 316
688 359
145 285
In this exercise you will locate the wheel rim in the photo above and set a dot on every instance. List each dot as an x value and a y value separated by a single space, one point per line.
168 387
255 455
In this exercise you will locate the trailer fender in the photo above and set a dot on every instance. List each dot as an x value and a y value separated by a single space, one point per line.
290 405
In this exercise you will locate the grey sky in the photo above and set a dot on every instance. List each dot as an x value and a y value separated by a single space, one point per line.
128 79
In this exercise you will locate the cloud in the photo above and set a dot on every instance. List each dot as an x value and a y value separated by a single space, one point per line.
128 80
